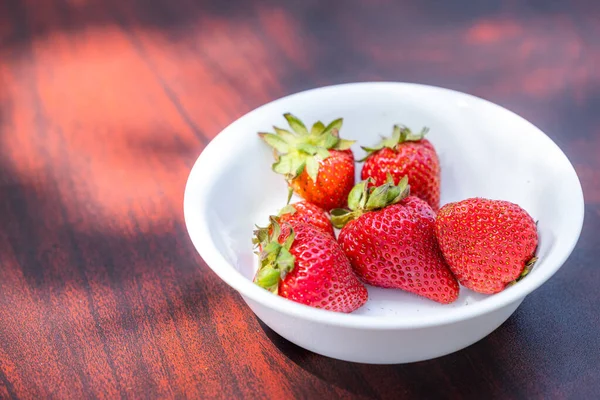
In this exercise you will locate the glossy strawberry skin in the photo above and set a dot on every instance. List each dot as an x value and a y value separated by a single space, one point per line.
322 276
310 214
417 160
395 247
334 181
486 242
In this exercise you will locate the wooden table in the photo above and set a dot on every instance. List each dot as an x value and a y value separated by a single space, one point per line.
105 105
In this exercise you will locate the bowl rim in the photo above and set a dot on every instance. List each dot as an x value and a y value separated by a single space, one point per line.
202 240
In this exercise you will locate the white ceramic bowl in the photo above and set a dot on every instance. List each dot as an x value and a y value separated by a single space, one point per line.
484 149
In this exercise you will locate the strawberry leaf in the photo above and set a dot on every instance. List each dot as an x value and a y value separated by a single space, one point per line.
271 247
291 165
275 227
344 144
322 153
340 217
289 240
396 135
298 165
404 189
389 178
365 194
286 135
378 198
288 209
308 148
275 142
285 262
296 125
312 168
334 125
261 236
283 165
356 195
268 278
328 141
317 128
371 149
415 137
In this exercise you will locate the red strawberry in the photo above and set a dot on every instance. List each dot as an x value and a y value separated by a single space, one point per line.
390 241
318 165
406 154
304 264
308 213
487 243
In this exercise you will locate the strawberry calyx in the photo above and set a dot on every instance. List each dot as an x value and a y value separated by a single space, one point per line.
400 134
275 259
300 149
262 234
363 198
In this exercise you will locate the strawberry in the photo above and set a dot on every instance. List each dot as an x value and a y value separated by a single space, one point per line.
304 264
389 239
406 154
487 243
308 213
318 165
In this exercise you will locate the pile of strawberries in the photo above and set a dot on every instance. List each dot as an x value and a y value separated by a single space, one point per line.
392 232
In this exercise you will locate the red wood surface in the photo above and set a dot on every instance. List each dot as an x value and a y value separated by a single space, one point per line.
105 105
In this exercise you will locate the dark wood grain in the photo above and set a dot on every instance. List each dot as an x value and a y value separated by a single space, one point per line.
105 105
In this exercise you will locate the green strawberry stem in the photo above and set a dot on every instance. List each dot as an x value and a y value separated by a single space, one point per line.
363 199
302 150
275 258
400 134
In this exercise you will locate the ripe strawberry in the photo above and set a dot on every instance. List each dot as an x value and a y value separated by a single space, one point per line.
487 243
308 213
304 264
390 241
318 165
406 154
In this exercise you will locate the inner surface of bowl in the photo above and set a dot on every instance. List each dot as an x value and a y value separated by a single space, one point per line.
484 150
